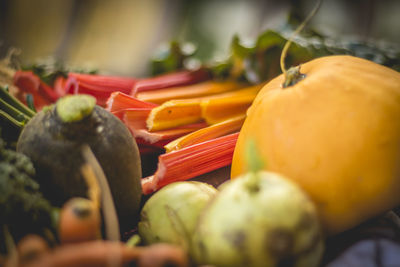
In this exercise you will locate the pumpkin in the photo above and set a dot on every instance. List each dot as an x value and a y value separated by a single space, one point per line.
336 132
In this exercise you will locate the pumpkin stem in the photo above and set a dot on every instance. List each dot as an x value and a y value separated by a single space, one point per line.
293 76
296 32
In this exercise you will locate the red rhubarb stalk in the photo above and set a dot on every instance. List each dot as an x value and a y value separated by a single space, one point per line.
120 101
190 162
29 83
101 86
104 82
170 80
63 86
134 113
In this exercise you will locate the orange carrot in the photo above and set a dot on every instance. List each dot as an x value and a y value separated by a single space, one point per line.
80 221
87 254
160 255
30 248
102 253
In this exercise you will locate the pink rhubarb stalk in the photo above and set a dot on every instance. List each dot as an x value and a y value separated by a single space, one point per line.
190 162
170 80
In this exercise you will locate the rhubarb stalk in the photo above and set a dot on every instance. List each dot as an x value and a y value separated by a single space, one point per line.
170 80
191 161
189 91
207 133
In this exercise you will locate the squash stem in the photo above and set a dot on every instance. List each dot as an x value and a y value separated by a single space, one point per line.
296 32
293 76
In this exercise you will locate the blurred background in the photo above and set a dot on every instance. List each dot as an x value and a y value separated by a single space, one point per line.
119 37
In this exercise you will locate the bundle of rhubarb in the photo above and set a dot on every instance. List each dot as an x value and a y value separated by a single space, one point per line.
190 116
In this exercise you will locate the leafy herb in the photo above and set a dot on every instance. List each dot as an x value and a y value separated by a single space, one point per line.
260 61
48 70
23 209
172 57
13 116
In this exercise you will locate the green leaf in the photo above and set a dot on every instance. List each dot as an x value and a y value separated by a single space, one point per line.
48 70
172 57
261 62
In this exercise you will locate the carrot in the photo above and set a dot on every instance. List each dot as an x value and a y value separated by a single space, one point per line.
30 248
97 253
80 218
110 253
79 221
159 255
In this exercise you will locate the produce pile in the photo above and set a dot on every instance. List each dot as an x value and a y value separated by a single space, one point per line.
227 164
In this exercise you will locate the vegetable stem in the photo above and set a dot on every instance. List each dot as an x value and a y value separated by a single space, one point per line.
191 161
293 76
296 32
15 103
13 110
75 107
110 214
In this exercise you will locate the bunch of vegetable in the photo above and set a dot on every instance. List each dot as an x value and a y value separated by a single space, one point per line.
184 112
325 149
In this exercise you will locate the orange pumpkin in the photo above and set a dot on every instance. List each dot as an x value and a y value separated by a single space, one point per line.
336 132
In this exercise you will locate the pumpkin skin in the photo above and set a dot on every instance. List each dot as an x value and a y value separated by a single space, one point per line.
336 133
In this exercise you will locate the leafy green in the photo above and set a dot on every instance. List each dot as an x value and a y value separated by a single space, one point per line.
13 116
172 57
48 70
261 60
23 209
